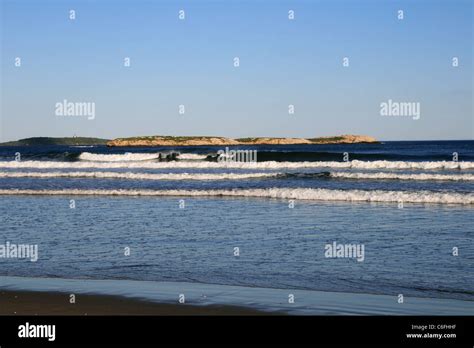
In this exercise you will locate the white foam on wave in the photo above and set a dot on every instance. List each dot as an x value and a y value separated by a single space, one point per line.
239 165
191 156
94 157
279 193
397 176
136 176
234 176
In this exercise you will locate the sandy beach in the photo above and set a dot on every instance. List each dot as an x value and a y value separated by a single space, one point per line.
55 303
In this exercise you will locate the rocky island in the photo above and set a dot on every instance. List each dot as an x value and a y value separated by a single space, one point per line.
159 140
222 141
42 141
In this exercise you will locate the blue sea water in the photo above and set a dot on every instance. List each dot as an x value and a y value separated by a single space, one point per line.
412 209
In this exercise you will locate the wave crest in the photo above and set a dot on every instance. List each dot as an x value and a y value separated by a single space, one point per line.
137 176
112 163
279 193
126 157
399 176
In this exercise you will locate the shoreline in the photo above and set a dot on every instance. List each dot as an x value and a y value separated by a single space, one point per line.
21 302
142 297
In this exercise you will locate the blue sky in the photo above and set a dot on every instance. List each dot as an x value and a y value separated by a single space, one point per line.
282 62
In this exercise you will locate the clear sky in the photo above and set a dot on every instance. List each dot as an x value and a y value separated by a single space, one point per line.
282 62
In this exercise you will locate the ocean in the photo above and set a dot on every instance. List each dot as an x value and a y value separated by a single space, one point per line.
253 234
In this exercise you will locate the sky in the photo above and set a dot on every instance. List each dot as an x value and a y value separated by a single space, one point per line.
283 62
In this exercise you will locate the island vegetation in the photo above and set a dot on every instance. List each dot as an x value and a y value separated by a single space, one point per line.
68 141
160 140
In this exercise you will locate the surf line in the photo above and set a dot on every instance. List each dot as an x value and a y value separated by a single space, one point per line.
276 193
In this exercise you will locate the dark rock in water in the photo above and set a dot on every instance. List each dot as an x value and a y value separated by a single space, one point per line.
168 156
304 175
173 156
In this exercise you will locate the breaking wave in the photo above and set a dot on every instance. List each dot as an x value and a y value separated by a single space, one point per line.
397 176
191 156
134 157
239 176
278 193
134 163
136 176
94 157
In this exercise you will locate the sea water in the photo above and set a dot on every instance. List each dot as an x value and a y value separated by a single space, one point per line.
121 214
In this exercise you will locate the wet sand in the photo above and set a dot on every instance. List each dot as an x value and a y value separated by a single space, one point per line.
53 303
